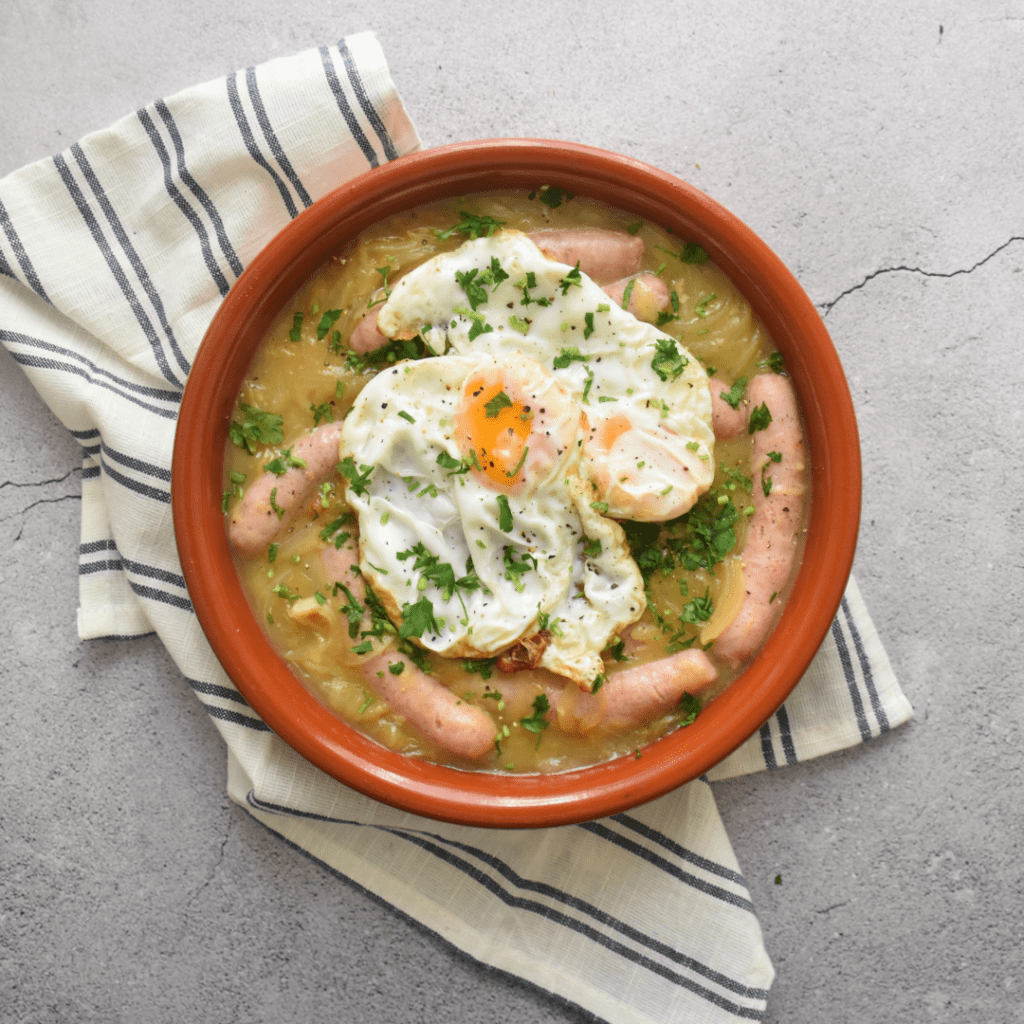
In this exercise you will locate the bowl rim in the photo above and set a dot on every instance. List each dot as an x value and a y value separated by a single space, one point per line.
475 798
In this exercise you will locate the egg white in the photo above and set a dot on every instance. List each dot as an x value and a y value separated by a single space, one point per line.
402 421
657 470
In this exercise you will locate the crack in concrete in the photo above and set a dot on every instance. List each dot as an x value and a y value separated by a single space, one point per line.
40 483
212 872
826 307
28 508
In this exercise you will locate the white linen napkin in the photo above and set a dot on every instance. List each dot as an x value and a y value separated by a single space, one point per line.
114 256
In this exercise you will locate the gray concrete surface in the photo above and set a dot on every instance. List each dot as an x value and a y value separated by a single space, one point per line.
878 148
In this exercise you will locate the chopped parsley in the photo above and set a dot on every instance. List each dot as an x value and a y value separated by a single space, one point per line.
627 293
735 393
570 355
773 362
405 416
496 404
536 722
587 384
327 321
668 362
358 478
574 277
394 351
691 708
759 418
455 467
296 330
278 511
635 226
322 412
588 325
504 514
701 309
552 196
518 324
283 463
417 619
472 226
514 569
257 428
475 291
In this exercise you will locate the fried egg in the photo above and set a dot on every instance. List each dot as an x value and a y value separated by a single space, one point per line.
648 451
476 525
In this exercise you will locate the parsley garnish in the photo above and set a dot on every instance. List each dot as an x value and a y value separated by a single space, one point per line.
519 464
258 428
691 708
587 384
504 514
700 609
627 293
588 328
701 308
278 511
454 466
472 226
574 277
322 412
517 324
418 618
668 362
475 291
536 722
617 649
283 463
514 569
773 362
635 226
735 393
496 404
759 418
552 196
296 331
485 669
327 321
358 479
569 355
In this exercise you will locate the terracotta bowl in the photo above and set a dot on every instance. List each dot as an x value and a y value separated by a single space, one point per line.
484 798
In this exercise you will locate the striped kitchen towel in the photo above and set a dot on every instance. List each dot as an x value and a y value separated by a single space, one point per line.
114 256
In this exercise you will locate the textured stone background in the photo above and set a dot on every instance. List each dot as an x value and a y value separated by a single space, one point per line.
878 148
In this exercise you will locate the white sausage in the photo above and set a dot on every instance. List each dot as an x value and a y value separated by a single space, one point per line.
726 420
647 298
638 695
366 336
771 542
431 709
254 523
603 255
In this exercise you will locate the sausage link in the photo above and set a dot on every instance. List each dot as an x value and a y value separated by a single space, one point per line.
726 420
603 255
366 336
431 709
771 542
254 523
339 566
640 694
647 298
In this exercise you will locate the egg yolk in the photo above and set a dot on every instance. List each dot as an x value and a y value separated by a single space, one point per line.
496 427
